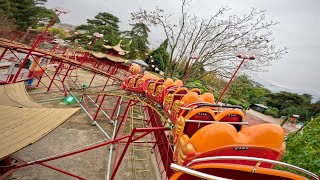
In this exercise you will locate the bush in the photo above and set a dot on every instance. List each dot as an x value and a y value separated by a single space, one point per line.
234 102
272 111
245 105
303 147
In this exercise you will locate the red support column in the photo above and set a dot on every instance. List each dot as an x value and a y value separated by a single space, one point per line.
34 45
117 104
62 171
234 74
3 53
102 90
54 76
100 104
92 80
123 117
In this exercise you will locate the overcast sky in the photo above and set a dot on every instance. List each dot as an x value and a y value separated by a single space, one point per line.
299 30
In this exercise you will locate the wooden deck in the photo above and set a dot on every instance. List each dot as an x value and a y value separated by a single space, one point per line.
20 127
16 95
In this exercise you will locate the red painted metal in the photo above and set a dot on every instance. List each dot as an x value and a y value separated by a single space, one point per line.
62 171
130 140
99 108
54 76
234 74
30 163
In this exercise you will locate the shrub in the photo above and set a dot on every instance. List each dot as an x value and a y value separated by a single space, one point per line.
272 111
303 147
245 105
234 102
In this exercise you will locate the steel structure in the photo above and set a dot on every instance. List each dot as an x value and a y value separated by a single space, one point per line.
135 123
105 103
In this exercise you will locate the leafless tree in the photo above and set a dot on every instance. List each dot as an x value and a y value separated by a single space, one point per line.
216 39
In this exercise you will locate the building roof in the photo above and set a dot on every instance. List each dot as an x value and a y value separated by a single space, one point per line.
140 62
262 106
116 47
101 55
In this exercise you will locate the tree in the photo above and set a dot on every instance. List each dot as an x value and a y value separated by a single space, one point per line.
315 109
160 56
103 23
303 147
138 47
215 39
26 13
6 24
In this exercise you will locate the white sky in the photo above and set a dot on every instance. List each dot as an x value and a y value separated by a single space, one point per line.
299 30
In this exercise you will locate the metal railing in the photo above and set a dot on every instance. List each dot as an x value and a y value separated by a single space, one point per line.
259 161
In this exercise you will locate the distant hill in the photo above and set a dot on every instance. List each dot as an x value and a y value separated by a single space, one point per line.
274 88
65 26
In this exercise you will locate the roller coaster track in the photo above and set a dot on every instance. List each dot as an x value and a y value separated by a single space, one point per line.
155 107
19 47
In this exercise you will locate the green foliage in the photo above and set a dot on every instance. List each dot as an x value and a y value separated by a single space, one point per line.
56 31
198 84
160 56
272 111
314 109
239 88
6 23
138 47
27 13
103 23
234 102
303 147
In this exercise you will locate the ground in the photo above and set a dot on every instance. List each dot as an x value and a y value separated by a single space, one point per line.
76 132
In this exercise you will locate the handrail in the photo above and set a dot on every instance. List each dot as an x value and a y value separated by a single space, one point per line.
194 172
215 122
254 159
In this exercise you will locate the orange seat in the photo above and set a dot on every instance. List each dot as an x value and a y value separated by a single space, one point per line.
206 113
170 98
168 82
207 97
190 97
178 82
264 141
237 172
196 90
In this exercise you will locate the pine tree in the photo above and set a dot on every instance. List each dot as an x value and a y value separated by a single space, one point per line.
160 56
103 23
138 36
26 13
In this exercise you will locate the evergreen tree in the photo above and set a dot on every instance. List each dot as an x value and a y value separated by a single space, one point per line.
160 56
6 24
103 23
138 36
26 13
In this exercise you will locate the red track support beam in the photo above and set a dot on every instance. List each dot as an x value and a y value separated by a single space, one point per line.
123 117
3 53
92 79
34 45
130 140
63 155
62 171
115 109
100 104
234 74
54 76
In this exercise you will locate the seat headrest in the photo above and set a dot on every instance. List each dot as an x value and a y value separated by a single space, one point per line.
178 83
190 97
218 135
168 82
207 97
